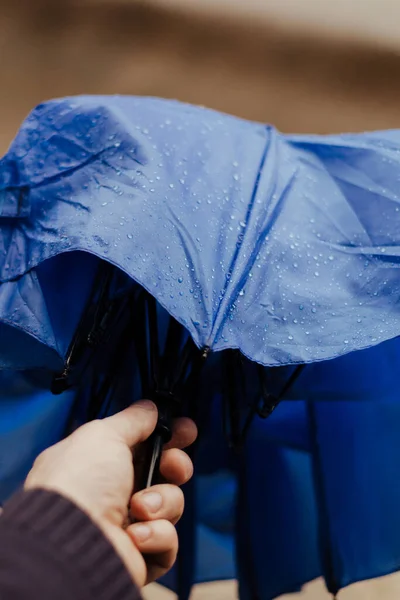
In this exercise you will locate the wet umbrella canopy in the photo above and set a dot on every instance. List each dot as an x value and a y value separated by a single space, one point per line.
143 237
250 239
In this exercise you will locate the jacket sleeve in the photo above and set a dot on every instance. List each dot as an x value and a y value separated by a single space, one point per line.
50 549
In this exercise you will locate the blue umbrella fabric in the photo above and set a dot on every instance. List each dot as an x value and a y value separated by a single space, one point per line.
285 247
30 420
313 492
317 479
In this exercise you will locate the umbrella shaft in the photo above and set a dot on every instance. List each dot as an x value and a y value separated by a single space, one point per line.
154 463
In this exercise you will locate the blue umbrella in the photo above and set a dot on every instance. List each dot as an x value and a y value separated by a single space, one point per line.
252 240
124 219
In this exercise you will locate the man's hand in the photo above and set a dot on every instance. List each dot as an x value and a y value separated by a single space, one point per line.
94 467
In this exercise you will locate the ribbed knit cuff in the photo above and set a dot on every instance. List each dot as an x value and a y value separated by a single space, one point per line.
74 537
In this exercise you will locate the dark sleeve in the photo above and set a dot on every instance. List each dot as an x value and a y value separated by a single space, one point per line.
51 550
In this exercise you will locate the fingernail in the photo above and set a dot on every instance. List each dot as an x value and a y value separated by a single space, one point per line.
188 468
146 404
141 532
152 501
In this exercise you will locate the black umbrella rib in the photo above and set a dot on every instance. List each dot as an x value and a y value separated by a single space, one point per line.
270 401
85 333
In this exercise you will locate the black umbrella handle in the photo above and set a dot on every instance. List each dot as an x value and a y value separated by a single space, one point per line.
150 471
152 464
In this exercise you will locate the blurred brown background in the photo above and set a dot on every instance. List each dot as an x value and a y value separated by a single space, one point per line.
303 65
299 79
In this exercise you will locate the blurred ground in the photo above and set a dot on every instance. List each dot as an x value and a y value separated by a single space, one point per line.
386 588
298 80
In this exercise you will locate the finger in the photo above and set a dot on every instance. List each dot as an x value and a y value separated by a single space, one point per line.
176 466
184 433
158 541
163 501
134 424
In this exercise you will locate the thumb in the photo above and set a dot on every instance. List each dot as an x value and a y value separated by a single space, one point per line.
134 424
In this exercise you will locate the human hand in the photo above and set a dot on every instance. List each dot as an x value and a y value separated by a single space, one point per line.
93 467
